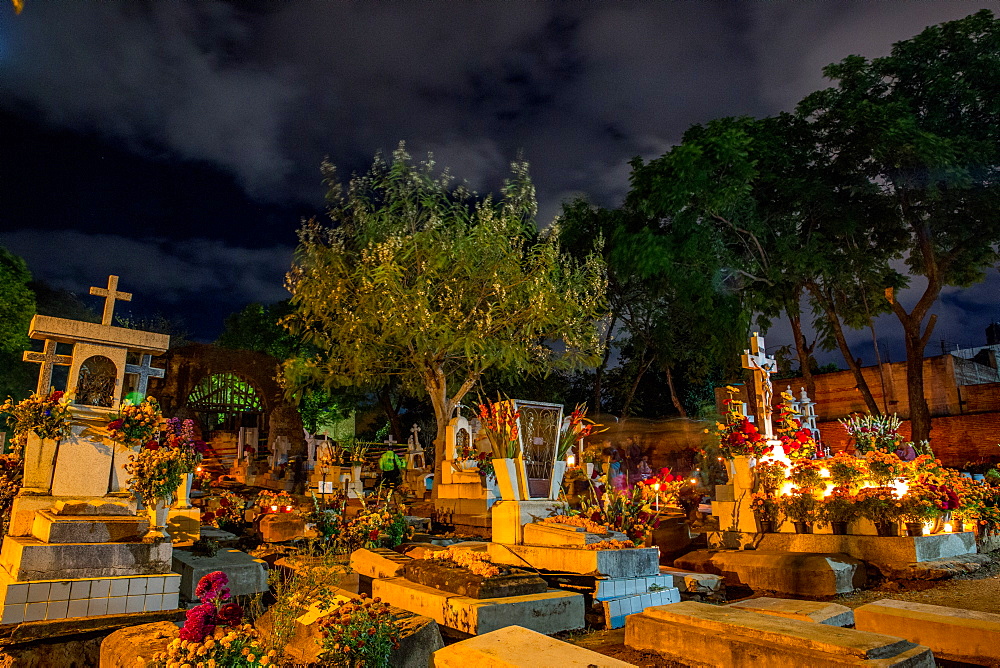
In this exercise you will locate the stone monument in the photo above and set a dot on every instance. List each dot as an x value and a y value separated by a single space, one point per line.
75 546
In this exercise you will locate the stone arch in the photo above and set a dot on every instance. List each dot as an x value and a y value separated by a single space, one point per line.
96 382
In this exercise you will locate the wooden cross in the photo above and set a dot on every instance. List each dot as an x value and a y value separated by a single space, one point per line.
49 359
762 366
145 371
110 294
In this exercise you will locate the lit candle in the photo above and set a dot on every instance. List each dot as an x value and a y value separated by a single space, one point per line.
570 460
947 527
274 509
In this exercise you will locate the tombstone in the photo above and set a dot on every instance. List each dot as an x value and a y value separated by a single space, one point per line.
806 408
761 367
73 524
279 455
414 451
247 439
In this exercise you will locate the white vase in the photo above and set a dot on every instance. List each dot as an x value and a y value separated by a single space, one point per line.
469 465
507 479
356 473
157 522
558 471
590 470
182 498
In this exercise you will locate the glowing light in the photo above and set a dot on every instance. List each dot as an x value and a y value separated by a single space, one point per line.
198 469
947 527
656 487
928 528
694 481
571 461
786 488
824 472
274 509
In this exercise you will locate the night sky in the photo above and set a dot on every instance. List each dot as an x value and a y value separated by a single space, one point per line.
178 144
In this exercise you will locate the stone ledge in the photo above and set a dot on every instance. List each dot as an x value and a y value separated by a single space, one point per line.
50 527
378 562
785 572
881 551
27 558
831 614
517 647
635 562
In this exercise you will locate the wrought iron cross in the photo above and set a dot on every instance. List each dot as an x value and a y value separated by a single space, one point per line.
144 371
110 294
48 359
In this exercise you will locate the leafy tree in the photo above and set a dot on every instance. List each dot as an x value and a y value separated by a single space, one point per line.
424 282
922 128
17 306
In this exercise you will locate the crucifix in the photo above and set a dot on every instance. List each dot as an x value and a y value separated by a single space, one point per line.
110 294
48 359
144 371
762 366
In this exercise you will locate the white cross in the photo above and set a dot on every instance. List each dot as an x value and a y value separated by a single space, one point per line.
145 372
49 359
110 294
390 440
762 366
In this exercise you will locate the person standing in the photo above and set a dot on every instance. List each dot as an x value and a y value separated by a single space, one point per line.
392 466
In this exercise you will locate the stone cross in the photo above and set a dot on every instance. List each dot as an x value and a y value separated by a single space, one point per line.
762 366
48 359
390 441
145 371
110 294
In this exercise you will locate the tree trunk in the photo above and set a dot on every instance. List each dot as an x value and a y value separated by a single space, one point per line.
395 423
436 384
838 332
673 392
803 351
599 372
635 386
920 415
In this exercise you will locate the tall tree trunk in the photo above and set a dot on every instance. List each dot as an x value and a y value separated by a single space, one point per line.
826 303
436 384
803 351
673 392
635 386
599 372
391 412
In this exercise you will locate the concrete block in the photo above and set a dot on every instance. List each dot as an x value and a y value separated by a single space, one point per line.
246 574
784 572
51 528
612 563
27 558
884 552
518 647
698 634
617 587
550 612
509 518
184 525
617 609
805 611
378 563
952 633
563 535
281 527
694 583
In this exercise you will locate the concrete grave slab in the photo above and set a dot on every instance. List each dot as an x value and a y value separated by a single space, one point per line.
701 635
27 558
791 573
563 535
518 647
968 636
884 552
805 611
548 612
281 527
612 563
688 582
246 574
450 578
617 609
378 562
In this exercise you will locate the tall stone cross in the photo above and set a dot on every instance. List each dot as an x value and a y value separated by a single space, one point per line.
49 359
110 294
762 366
144 371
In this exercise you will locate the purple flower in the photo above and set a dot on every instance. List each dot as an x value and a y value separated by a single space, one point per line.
199 623
212 586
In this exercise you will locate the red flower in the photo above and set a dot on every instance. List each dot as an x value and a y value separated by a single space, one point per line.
56 396
749 427
116 424
224 502
152 445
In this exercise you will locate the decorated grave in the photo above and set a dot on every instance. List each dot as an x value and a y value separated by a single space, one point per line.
75 546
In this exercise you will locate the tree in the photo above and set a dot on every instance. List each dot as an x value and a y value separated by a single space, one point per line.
427 283
922 127
17 306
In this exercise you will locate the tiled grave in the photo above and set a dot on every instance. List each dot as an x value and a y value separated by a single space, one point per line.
617 609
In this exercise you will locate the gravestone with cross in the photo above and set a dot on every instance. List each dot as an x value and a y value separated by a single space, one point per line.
414 451
143 372
756 360
48 359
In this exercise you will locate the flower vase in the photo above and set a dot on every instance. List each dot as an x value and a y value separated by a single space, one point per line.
886 529
555 485
803 527
914 528
590 470
182 498
740 476
468 465
157 522
765 526
838 528
507 479
356 473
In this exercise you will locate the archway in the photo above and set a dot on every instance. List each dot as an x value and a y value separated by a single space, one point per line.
225 401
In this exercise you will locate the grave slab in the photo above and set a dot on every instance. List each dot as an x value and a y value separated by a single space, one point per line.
699 634
805 611
784 572
27 558
612 563
518 647
549 612
967 636
617 609
246 574
281 527
884 552
456 580
378 562
688 582
563 535
49 527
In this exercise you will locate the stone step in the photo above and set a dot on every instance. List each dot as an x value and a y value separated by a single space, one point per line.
51 528
816 612
954 634
708 585
562 535
549 612
518 647
609 588
28 559
617 609
635 562
699 634
378 562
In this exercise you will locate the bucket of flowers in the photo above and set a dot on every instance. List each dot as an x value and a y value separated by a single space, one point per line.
379 524
45 415
882 506
275 502
846 470
626 511
873 432
738 437
797 441
839 508
228 515
801 507
884 467
156 475
766 510
918 506
499 420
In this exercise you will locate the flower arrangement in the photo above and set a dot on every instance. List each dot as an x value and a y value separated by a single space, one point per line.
11 477
920 503
806 475
873 432
738 437
884 467
846 470
484 463
180 437
800 506
213 635
610 545
229 513
156 474
771 473
45 415
766 507
664 487
360 633
478 563
626 511
577 428
981 505
839 506
135 424
796 441
576 521
879 504
275 501
378 524
499 421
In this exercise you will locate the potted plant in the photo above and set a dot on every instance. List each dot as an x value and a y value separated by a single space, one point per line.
739 439
766 510
156 474
360 633
499 421
881 506
771 475
839 508
917 508
46 416
190 451
846 470
575 428
873 433
797 441
801 507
